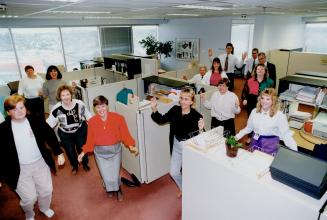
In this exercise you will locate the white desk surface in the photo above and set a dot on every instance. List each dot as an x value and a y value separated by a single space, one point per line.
218 187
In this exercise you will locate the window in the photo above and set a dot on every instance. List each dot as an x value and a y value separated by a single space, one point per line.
141 32
9 70
39 47
116 40
316 37
242 38
80 43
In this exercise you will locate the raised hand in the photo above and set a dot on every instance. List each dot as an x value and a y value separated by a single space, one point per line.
154 104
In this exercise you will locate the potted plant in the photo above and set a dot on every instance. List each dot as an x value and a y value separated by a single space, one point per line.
152 46
232 146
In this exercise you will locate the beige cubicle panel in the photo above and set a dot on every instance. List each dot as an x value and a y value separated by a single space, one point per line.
280 59
307 62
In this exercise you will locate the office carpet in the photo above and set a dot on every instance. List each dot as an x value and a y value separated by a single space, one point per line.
82 197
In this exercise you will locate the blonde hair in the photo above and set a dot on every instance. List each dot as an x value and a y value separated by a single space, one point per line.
190 91
274 107
11 102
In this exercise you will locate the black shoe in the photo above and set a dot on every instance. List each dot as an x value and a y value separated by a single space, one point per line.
86 168
127 182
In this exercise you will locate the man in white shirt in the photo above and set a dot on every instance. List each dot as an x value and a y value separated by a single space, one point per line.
228 62
251 63
197 79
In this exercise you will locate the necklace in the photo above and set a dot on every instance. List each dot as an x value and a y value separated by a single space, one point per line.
104 123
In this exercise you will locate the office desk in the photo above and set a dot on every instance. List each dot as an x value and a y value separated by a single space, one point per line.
217 187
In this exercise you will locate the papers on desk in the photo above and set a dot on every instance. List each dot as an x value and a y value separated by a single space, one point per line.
298 118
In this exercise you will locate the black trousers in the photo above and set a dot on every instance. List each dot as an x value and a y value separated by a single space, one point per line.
229 125
231 77
35 107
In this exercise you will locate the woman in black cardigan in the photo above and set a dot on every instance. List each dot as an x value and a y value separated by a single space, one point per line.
25 161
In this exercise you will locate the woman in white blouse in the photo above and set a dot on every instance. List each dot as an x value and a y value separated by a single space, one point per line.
268 124
31 88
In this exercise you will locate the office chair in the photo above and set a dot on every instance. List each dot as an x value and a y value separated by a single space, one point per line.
13 86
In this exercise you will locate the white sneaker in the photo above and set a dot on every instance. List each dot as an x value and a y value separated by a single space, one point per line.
49 213
30 218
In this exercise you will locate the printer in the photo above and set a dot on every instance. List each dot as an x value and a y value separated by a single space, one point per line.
319 127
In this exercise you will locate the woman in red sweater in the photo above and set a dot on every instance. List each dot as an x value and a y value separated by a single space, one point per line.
106 131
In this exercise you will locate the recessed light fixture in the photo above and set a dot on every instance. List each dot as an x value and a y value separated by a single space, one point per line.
62 0
201 7
192 15
99 17
79 12
8 16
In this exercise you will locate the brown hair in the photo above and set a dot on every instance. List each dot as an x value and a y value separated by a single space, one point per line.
191 92
224 81
272 93
100 100
62 88
11 102
254 73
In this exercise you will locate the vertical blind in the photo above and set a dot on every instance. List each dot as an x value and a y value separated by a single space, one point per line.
116 40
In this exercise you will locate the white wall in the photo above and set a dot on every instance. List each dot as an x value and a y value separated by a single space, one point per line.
282 32
271 32
213 33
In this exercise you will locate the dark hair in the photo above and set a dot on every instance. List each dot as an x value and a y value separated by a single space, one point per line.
11 102
224 81
100 100
62 88
255 71
230 45
28 67
255 49
50 68
217 60
261 54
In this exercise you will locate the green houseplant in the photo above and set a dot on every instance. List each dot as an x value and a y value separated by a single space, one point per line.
232 146
152 46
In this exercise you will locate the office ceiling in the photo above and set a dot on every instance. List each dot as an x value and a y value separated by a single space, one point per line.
156 9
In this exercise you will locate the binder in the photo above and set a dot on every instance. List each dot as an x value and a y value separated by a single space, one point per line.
300 171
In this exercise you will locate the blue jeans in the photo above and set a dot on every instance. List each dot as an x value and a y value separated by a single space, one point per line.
176 163
73 143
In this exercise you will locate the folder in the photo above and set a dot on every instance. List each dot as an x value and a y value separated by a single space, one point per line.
300 171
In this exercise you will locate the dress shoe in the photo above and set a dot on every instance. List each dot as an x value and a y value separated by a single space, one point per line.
86 168
120 197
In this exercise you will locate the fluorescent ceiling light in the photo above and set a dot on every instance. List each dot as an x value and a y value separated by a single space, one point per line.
201 7
99 17
79 12
9 16
62 0
194 15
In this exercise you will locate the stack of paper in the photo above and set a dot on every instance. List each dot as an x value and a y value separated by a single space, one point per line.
298 118
307 94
